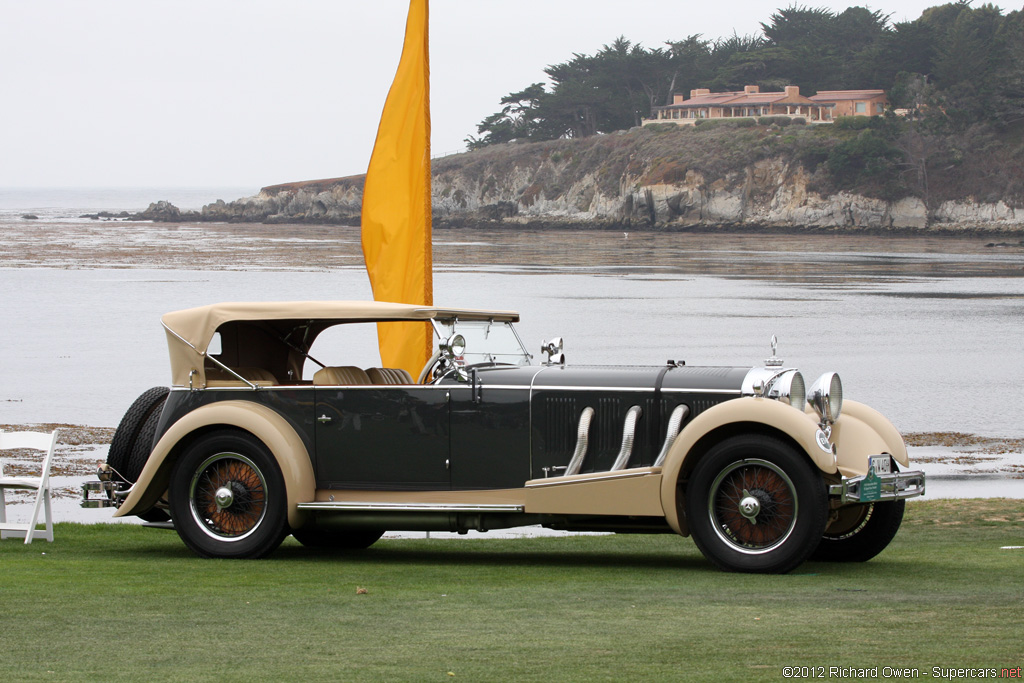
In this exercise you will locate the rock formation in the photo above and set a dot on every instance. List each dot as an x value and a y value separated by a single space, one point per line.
637 180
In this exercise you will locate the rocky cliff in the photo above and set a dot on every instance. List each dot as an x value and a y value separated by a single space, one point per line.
661 178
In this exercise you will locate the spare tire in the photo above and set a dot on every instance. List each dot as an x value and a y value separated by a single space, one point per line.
133 441
123 445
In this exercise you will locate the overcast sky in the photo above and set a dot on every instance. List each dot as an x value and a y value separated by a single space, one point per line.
257 92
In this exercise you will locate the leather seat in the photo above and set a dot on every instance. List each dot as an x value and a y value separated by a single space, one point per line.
340 375
389 376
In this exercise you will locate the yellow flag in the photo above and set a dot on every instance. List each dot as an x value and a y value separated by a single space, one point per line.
396 201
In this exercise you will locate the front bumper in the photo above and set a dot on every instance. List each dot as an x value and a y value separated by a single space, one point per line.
871 487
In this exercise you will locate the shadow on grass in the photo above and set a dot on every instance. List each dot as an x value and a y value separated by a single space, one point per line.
625 552
501 558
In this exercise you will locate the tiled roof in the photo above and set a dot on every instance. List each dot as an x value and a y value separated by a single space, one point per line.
835 95
736 99
711 99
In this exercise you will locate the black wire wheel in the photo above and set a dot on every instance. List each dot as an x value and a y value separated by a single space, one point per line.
756 504
860 532
228 497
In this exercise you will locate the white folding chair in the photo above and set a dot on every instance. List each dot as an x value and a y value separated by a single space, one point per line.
41 485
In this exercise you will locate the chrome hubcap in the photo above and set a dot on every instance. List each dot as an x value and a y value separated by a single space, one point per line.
750 507
224 497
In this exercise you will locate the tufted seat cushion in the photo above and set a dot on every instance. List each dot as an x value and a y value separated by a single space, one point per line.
389 376
340 375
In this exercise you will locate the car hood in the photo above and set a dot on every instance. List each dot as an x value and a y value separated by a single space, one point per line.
648 377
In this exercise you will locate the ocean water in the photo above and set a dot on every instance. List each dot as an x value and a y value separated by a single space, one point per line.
928 331
70 202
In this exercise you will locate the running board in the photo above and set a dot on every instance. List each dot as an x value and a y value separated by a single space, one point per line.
361 506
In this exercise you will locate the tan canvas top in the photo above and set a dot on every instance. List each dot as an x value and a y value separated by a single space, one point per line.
190 331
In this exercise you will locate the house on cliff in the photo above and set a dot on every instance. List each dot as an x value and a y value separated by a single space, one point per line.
853 102
752 103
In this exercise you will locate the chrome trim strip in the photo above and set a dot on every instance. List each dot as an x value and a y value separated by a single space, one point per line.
529 404
895 486
552 387
582 440
506 387
562 481
378 387
670 390
628 429
524 387
674 422
294 387
409 507
676 390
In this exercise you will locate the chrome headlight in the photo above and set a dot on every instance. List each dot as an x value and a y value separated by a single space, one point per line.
826 397
453 347
790 388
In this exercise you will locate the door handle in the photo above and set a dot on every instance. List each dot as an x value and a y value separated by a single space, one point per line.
323 419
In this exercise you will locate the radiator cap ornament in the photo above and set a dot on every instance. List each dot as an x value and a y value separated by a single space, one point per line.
773 362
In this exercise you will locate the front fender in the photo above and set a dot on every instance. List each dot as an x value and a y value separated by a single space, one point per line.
265 424
795 424
860 432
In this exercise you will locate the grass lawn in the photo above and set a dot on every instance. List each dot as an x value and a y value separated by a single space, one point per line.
110 602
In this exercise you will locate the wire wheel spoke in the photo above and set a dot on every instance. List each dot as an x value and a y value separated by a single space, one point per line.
753 505
244 507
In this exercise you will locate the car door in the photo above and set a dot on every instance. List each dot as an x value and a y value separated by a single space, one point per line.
490 434
382 437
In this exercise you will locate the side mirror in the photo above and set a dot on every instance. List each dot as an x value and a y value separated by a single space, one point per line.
553 350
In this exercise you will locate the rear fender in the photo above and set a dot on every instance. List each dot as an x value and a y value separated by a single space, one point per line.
266 425
774 415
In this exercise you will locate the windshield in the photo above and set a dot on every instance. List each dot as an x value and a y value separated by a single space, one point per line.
486 341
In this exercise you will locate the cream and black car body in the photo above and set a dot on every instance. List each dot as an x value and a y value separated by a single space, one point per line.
241 451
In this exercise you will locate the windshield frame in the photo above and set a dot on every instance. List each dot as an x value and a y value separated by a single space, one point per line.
476 332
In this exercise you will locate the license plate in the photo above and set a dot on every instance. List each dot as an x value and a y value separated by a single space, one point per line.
882 464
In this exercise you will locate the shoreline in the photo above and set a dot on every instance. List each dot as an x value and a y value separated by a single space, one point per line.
524 224
747 230
119 244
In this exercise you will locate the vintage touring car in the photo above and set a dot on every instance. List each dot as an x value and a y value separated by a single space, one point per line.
256 439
